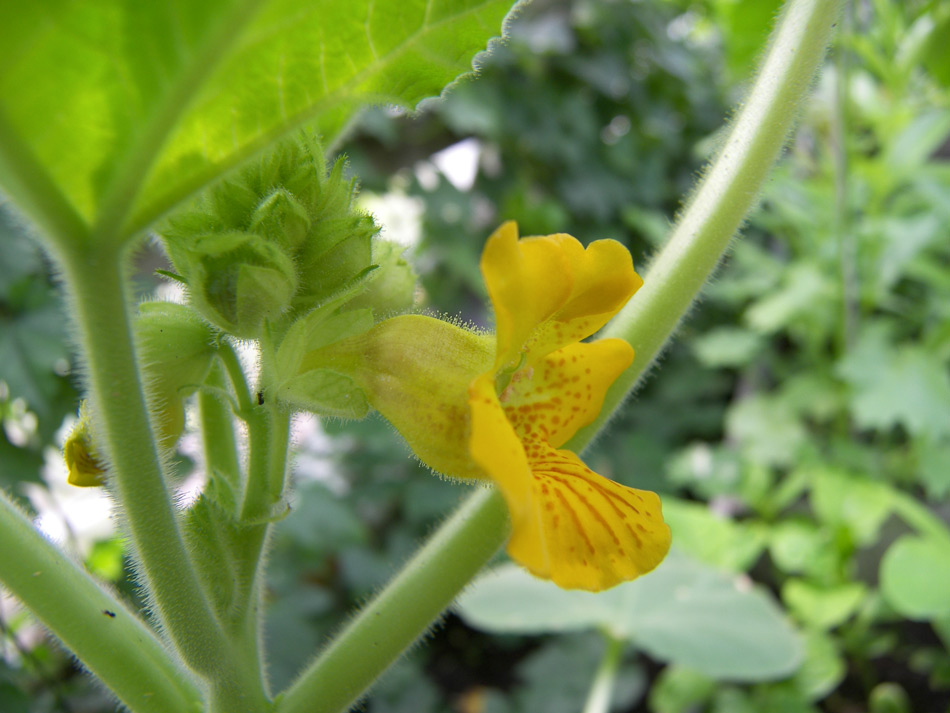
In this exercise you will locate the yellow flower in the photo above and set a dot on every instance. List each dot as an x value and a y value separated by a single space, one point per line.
569 524
473 411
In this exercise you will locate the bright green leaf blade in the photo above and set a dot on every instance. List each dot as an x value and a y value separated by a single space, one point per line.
915 577
684 613
131 107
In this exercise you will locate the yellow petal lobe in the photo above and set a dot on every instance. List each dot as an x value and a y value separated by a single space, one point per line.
83 468
602 281
528 281
581 530
496 448
565 391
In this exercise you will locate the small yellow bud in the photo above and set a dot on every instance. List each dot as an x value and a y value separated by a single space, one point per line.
82 464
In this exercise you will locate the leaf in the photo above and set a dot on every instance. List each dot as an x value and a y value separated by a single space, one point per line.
859 504
684 613
766 429
915 577
711 538
933 467
796 544
823 668
727 347
128 108
823 607
31 345
905 385
557 677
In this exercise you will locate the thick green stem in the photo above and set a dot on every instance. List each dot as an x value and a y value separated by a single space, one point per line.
728 191
105 635
408 605
601 690
98 292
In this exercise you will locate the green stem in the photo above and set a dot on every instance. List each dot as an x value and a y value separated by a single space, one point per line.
217 433
598 700
728 191
105 635
408 605
97 287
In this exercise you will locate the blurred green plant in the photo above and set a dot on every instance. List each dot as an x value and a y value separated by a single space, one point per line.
814 423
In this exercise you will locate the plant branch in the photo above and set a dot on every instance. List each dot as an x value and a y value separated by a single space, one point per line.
100 630
727 192
97 289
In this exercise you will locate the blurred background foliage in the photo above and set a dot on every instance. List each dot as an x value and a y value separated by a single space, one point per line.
799 426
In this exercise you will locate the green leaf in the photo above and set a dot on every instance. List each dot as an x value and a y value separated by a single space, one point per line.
852 501
933 466
767 430
915 577
823 607
711 538
727 347
31 345
906 385
684 613
796 544
823 668
117 111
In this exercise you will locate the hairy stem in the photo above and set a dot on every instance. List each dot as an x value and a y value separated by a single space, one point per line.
402 612
100 630
217 434
96 286
727 192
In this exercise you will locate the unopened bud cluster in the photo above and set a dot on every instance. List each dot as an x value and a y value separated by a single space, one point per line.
276 240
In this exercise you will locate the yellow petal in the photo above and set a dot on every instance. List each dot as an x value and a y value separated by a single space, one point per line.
603 280
83 468
581 530
549 291
565 391
528 281
495 446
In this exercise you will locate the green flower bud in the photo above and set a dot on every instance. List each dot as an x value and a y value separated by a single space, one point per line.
239 280
282 218
275 241
392 287
176 348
